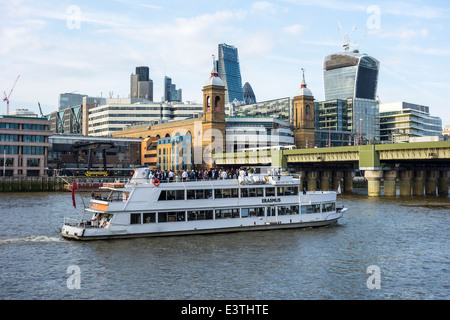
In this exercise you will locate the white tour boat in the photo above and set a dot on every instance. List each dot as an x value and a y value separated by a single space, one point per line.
145 207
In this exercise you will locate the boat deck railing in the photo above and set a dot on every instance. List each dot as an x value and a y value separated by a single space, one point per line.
251 179
81 223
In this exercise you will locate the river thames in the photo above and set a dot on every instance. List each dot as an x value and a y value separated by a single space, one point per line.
389 248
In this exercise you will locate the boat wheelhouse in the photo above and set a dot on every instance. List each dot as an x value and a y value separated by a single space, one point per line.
145 207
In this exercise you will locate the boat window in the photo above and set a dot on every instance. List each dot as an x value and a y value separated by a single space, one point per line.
270 192
190 194
162 195
244 193
149 217
330 206
252 192
225 193
171 195
286 210
252 212
135 218
227 213
171 216
179 194
259 192
287 191
200 215
311 208
271 211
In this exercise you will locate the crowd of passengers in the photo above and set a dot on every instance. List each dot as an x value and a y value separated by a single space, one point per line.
195 175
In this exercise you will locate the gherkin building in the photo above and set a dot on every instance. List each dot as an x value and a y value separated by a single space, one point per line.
249 95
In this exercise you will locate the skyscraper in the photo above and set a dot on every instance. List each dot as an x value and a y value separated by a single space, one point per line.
353 75
249 95
230 73
350 75
141 86
171 93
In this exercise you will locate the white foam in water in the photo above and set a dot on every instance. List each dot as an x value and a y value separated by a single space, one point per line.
31 239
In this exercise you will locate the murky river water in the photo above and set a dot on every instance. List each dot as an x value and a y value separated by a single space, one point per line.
406 239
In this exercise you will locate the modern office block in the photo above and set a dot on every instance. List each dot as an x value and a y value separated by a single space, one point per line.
230 73
353 75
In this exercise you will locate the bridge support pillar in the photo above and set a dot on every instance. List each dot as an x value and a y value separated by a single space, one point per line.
312 180
302 178
431 182
443 183
373 178
348 181
389 182
419 182
337 178
325 180
405 182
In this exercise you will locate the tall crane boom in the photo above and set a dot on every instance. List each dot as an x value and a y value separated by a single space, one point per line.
6 98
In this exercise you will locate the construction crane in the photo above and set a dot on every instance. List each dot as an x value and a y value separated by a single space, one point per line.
346 38
40 110
6 98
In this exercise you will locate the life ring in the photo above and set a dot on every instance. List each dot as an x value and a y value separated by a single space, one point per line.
104 224
156 182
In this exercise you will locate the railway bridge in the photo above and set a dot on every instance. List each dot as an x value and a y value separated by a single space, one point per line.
420 168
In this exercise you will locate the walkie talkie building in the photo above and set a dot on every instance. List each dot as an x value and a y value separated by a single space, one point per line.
353 75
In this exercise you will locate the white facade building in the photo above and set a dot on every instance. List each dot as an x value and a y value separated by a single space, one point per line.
252 132
118 113
402 121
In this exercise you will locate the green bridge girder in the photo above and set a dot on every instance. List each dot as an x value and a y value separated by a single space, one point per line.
364 157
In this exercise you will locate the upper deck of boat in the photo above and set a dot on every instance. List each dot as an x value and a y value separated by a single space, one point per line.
247 181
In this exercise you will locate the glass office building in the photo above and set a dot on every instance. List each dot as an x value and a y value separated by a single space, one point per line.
249 95
230 73
401 121
353 75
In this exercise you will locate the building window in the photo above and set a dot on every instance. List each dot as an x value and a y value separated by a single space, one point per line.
9 149
9 137
33 162
32 150
28 138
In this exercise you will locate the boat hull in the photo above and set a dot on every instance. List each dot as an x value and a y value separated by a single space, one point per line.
78 233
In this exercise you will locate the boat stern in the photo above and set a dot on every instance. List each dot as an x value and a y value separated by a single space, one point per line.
75 232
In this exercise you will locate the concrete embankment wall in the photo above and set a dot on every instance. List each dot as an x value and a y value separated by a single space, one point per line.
14 184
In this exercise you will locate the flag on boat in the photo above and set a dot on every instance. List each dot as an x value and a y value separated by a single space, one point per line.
74 187
339 189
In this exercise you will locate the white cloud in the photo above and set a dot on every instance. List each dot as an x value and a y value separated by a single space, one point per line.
403 33
295 29
264 6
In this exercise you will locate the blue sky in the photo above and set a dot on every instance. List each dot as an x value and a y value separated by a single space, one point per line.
92 47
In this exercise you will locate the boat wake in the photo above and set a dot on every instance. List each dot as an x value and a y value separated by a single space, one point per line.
30 239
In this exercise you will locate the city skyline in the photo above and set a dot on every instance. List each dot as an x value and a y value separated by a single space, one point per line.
90 48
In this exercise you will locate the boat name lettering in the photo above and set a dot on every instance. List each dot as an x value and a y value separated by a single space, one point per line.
271 200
